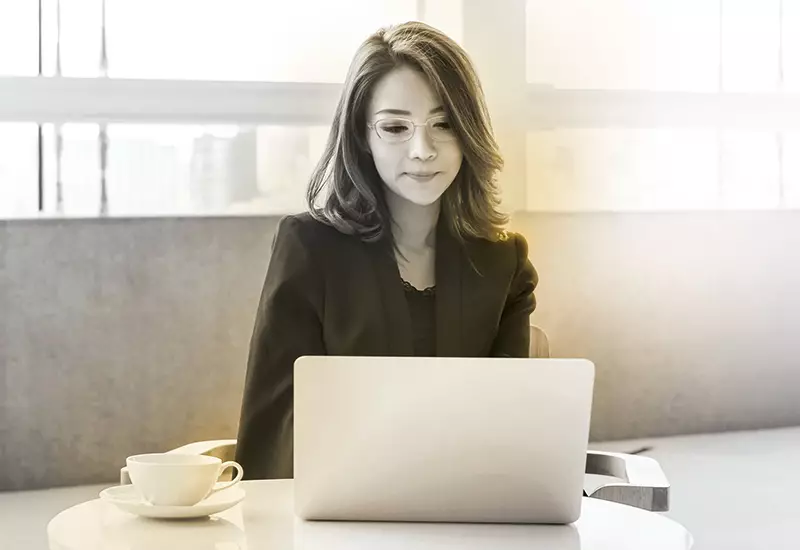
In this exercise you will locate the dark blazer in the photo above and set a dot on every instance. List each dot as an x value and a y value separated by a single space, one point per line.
327 293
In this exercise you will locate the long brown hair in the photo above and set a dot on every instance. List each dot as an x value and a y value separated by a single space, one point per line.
355 202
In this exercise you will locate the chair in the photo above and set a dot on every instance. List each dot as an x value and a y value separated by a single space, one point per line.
645 486
540 344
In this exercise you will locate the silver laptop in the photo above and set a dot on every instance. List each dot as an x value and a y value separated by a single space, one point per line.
441 439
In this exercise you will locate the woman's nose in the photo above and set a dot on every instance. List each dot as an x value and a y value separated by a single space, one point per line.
421 146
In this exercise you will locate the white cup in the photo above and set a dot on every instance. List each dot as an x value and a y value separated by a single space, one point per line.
171 479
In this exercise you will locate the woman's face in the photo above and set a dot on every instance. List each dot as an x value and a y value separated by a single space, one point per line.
420 169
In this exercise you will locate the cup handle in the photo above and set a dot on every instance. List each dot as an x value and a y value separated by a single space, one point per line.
234 481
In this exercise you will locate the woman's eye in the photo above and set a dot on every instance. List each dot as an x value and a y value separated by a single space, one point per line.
395 129
443 125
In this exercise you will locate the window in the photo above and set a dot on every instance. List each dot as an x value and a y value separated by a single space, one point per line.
235 40
240 40
19 38
223 113
180 169
667 105
790 12
751 45
653 45
618 169
19 188
750 171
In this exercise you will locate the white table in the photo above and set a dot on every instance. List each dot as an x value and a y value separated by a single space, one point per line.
265 521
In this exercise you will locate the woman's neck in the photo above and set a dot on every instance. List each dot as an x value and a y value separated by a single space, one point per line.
414 226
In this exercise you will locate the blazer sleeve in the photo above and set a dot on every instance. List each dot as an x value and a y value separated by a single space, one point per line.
287 325
513 335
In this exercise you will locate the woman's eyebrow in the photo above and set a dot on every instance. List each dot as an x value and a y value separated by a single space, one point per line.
439 109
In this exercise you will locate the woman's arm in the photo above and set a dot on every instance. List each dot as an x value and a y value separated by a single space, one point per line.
513 336
287 326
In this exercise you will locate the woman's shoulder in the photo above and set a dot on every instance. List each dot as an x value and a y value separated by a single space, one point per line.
506 256
305 228
301 222
320 242
506 245
514 241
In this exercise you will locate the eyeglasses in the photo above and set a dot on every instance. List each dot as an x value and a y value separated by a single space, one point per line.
398 130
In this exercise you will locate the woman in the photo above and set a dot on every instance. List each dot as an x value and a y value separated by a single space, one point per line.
405 252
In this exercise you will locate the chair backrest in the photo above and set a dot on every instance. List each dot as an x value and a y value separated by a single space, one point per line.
540 345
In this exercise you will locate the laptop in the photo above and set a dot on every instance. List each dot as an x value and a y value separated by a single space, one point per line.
479 440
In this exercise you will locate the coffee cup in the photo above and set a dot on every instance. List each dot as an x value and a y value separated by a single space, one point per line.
172 479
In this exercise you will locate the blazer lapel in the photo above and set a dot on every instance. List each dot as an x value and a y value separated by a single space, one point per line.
450 262
396 317
449 292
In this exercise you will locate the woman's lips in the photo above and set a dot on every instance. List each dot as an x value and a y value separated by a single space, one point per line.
421 176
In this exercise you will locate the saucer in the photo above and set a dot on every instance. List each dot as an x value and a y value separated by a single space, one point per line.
127 498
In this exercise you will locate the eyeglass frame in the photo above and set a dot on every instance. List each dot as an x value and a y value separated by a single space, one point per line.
371 126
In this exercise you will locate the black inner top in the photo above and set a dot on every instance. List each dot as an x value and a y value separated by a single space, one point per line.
422 307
